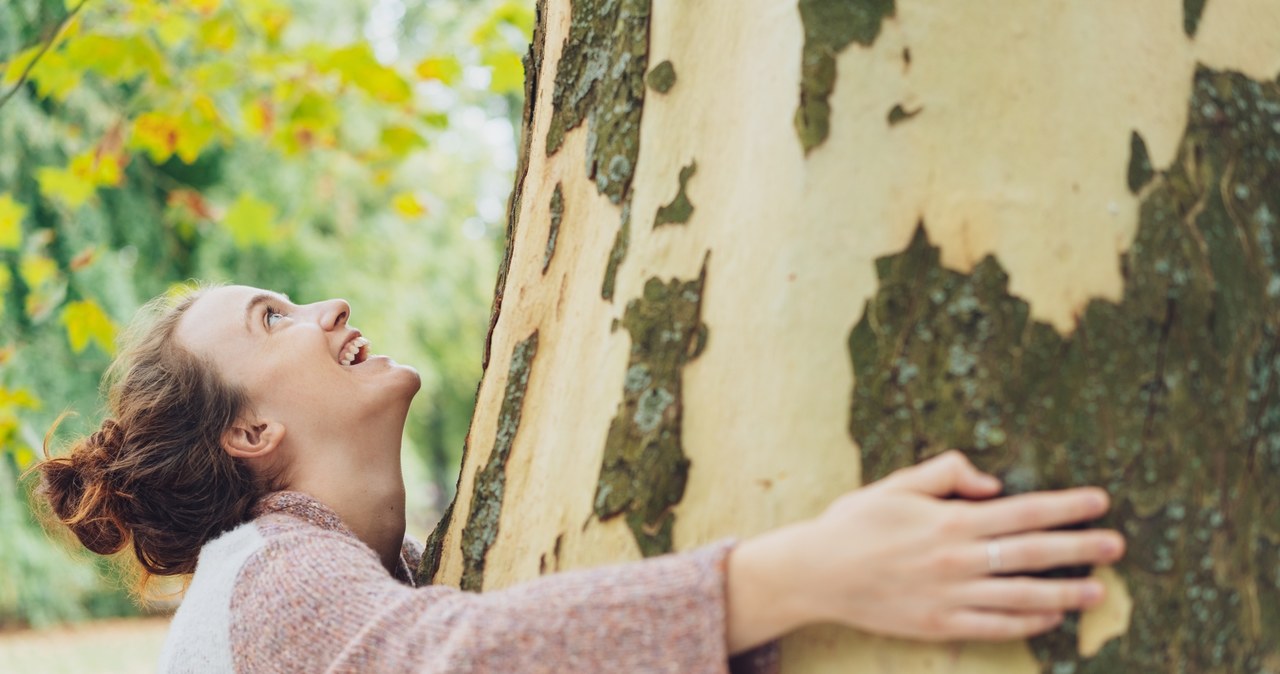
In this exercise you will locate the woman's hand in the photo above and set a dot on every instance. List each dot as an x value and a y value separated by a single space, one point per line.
898 558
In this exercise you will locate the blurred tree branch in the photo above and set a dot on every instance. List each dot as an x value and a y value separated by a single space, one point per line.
44 48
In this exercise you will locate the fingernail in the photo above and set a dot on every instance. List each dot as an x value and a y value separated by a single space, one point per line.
1111 546
1092 593
1099 500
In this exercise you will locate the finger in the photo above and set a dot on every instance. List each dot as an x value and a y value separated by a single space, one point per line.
1039 510
996 625
1029 594
1043 551
946 474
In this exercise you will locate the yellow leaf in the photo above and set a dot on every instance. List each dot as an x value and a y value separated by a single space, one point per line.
259 115
205 7
119 58
16 65
173 29
37 270
85 322
99 170
251 221
401 140
18 397
157 133
408 206
219 33
11 215
24 457
357 66
508 72
55 76
64 186
219 74
446 69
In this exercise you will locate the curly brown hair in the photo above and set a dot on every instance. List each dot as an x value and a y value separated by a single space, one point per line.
155 475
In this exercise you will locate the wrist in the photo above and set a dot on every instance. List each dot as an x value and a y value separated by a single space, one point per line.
766 593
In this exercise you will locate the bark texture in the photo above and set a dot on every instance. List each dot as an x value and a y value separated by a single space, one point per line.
1047 234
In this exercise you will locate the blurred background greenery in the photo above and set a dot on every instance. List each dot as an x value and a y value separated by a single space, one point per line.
323 148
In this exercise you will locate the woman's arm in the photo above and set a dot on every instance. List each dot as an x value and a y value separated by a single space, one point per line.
899 558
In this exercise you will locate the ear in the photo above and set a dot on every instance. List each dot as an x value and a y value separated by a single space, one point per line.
252 438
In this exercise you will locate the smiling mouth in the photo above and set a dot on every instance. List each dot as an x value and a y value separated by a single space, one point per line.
355 352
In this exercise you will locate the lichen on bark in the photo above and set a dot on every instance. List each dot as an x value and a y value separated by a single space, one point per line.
680 209
899 114
662 78
617 253
556 209
829 27
600 80
645 469
1140 170
1192 10
1170 398
490 483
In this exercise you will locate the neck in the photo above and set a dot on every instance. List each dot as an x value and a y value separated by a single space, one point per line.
362 481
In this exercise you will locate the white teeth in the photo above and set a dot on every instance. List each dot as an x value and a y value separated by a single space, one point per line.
352 350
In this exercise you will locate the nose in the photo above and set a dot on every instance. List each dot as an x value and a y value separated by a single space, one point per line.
334 314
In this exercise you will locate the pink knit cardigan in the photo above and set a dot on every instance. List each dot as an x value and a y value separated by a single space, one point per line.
294 590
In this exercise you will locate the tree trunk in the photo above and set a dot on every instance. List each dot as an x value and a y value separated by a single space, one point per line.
761 252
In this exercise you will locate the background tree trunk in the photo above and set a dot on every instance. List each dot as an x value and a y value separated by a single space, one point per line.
763 251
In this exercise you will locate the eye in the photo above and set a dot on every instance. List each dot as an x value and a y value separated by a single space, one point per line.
272 316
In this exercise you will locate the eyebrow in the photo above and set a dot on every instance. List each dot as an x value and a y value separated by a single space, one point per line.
261 298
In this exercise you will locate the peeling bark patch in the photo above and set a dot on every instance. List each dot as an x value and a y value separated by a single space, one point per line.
600 80
617 254
1170 398
645 469
1140 171
532 73
557 214
829 27
680 209
1192 10
433 551
900 114
662 77
486 494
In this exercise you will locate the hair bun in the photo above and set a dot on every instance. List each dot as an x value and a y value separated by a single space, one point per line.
105 442
79 490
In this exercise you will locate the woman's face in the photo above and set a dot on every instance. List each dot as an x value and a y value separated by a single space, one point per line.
289 359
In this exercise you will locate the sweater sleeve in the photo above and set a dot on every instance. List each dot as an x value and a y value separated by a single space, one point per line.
321 602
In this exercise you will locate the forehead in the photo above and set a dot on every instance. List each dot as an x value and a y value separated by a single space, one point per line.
218 317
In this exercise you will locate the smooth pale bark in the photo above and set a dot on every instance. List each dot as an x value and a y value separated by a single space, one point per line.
1006 129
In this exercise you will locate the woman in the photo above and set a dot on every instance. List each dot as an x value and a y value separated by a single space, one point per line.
261 439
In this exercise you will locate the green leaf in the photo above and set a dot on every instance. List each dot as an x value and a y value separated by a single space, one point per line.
251 221
11 215
87 322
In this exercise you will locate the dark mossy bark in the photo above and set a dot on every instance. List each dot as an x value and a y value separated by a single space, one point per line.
1192 10
556 208
680 209
645 468
1170 398
600 80
490 483
829 27
532 60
